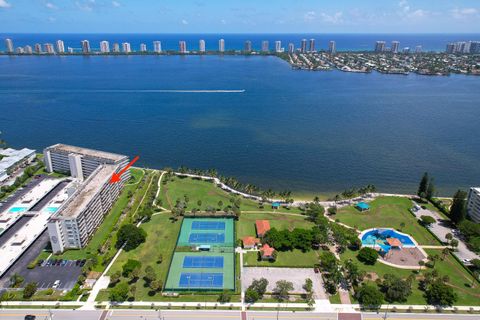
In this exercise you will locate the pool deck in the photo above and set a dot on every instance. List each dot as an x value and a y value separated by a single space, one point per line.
408 257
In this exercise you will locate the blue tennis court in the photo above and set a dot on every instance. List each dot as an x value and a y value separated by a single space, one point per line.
208 225
201 280
203 262
206 238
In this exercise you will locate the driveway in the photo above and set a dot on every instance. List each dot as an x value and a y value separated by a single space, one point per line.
441 227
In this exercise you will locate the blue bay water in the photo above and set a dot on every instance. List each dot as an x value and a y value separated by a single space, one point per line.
305 131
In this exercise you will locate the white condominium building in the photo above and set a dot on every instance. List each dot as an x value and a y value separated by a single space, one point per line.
85 46
60 46
73 225
9 45
143 47
157 46
126 47
80 162
473 204
201 46
49 48
182 46
104 47
265 46
221 45
278 46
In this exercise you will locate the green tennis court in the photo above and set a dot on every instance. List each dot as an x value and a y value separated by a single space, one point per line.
206 231
185 275
212 267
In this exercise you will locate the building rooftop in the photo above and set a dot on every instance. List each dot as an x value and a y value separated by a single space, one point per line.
10 157
267 251
86 151
79 200
262 226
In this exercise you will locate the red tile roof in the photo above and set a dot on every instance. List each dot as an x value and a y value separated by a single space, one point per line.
262 227
250 241
394 242
267 251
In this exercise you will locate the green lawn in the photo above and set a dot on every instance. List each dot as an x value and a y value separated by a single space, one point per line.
459 278
207 192
162 236
295 258
387 212
246 223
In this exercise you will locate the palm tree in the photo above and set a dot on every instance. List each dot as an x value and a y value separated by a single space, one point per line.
445 253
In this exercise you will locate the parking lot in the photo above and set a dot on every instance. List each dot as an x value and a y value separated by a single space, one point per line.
295 275
45 275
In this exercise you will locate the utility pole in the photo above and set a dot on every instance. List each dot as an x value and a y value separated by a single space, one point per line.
386 311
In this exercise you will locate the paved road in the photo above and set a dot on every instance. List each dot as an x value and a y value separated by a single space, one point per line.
210 315
441 227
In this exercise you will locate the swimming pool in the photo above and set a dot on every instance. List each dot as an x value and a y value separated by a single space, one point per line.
51 209
379 237
17 209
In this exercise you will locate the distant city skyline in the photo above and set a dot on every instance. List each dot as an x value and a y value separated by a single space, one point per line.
248 16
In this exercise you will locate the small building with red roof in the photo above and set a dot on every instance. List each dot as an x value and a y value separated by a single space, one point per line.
394 242
250 242
267 252
262 227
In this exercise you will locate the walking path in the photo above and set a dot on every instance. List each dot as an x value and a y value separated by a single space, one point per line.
242 293
159 186
194 305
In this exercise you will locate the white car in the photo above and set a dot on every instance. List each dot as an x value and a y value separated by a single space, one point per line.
56 284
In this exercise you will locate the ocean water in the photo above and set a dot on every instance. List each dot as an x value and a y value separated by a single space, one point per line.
362 42
279 128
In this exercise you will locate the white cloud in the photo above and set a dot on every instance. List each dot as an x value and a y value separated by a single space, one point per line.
223 21
408 13
4 4
335 18
116 4
85 5
50 5
309 16
184 22
462 13
52 19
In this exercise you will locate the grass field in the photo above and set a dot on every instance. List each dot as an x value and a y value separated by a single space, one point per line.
294 258
387 212
459 278
206 192
161 239
246 223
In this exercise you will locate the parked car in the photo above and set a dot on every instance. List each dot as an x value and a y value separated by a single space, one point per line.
30 317
39 262
56 284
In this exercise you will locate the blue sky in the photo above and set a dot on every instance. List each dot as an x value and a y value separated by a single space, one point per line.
241 16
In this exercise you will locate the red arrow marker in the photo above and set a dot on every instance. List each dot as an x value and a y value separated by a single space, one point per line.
116 177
